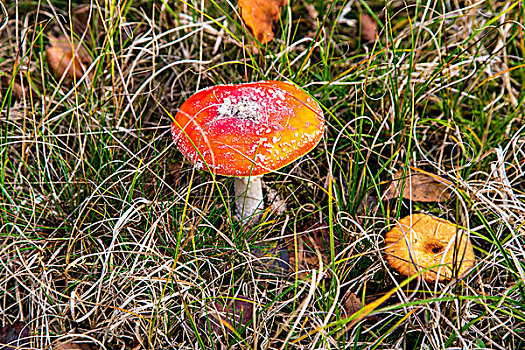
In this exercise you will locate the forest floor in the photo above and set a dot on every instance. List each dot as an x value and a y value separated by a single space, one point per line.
111 239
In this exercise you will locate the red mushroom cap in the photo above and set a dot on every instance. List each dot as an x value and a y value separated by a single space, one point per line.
248 129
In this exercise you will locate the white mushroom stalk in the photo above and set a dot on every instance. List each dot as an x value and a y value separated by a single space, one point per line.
249 201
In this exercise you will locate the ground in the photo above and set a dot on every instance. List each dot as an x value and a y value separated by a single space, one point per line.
111 239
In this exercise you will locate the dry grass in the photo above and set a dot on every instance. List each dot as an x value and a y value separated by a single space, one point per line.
109 237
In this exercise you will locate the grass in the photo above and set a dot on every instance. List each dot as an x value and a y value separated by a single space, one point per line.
108 236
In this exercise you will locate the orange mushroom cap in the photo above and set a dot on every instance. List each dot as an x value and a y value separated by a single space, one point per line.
421 241
248 129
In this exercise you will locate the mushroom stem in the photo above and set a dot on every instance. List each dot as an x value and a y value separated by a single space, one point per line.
249 202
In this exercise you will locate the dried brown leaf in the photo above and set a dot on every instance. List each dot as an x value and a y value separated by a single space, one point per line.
14 336
231 313
259 16
18 90
368 28
312 12
352 305
418 186
71 346
66 58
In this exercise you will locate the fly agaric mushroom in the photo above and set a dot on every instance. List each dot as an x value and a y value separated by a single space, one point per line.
422 241
246 131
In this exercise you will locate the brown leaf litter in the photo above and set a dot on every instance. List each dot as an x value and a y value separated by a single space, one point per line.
231 314
14 336
418 185
259 16
368 28
71 346
66 58
353 304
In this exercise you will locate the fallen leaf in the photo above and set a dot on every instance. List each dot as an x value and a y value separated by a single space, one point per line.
71 346
368 28
66 58
312 12
418 186
14 336
352 305
231 313
259 16
18 90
